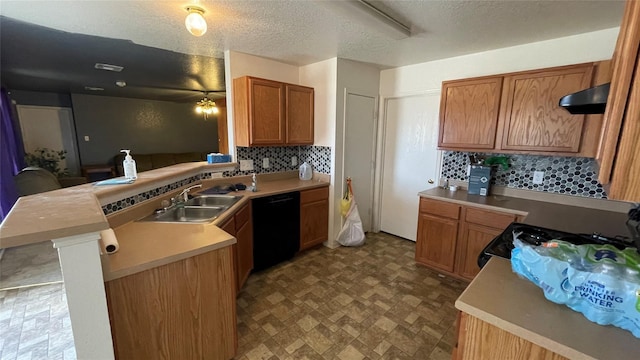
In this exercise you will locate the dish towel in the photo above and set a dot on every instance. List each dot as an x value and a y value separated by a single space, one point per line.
115 181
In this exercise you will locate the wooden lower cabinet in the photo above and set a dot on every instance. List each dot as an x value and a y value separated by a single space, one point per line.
450 236
478 340
182 310
244 247
437 241
473 239
241 227
314 217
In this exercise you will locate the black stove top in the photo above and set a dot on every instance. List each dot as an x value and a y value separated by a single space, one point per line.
503 244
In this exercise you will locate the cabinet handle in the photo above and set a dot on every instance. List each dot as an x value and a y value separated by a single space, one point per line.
430 181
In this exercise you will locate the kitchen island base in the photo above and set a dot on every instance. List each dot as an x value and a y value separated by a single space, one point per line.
181 310
480 340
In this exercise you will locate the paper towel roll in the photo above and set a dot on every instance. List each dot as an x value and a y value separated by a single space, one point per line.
109 241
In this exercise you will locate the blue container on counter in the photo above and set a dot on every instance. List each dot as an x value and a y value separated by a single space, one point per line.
218 158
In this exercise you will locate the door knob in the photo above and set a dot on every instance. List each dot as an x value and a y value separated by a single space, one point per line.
430 181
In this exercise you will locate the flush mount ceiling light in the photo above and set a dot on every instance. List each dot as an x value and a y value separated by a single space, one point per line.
206 107
195 22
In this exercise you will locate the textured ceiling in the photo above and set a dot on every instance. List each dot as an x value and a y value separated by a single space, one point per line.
306 31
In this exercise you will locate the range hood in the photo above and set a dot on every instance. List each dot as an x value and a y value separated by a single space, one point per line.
589 101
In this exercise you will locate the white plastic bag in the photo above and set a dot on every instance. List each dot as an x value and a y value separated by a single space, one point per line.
352 233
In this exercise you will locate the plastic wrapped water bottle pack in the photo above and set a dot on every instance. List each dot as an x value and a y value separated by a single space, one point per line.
599 281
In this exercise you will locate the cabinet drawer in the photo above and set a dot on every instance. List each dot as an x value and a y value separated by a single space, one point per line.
314 195
243 216
487 218
440 208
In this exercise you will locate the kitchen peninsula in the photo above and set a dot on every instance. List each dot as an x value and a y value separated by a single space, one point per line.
73 218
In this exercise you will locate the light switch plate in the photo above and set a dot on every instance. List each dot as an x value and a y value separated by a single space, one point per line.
265 163
246 165
538 177
216 175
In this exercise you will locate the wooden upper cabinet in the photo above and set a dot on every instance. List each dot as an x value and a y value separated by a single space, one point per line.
532 118
519 112
299 111
272 113
258 106
469 113
619 149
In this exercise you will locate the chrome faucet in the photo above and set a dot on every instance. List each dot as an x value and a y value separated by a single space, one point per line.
185 193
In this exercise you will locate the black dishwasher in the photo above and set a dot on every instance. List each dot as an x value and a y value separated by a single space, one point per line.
276 229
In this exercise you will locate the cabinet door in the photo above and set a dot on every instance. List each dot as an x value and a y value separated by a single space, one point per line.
616 153
469 113
436 241
244 253
244 246
299 115
472 241
314 217
533 120
266 112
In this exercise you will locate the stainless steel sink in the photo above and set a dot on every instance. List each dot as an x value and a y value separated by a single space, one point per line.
188 214
200 209
213 200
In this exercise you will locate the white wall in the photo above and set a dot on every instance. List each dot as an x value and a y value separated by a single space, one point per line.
237 64
575 49
362 78
322 76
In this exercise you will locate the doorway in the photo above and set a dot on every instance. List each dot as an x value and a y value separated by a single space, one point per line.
410 159
359 150
50 127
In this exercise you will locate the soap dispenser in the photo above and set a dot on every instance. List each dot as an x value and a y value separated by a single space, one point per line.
129 166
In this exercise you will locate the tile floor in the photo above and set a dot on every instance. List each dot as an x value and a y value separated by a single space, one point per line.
35 324
370 302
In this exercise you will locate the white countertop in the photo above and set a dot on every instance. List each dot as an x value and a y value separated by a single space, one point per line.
501 298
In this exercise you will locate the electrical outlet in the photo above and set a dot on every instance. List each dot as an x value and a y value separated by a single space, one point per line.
265 163
468 170
246 165
538 177
216 175
294 160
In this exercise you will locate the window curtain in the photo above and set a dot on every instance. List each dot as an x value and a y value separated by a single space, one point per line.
11 155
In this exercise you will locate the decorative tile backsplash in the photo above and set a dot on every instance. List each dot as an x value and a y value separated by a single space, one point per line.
319 157
150 194
563 175
279 160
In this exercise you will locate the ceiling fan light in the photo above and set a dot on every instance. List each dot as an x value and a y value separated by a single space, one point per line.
195 22
206 106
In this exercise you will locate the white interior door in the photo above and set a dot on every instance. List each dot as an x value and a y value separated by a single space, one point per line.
359 151
50 127
410 160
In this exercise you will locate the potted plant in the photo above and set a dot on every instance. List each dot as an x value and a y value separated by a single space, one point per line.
47 159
